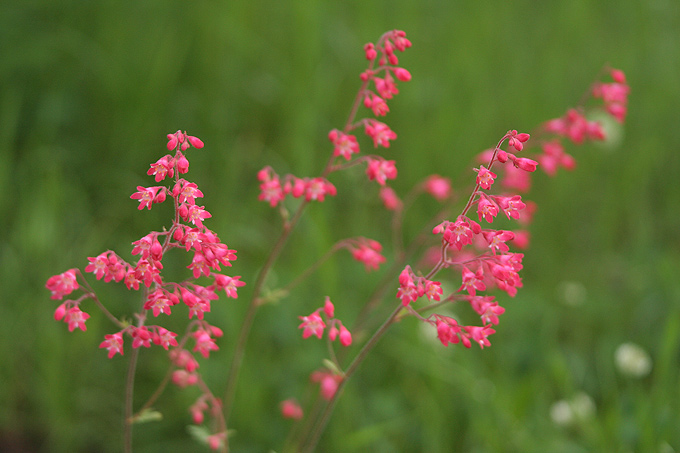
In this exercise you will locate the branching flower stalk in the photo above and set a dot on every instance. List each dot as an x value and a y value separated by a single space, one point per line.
479 256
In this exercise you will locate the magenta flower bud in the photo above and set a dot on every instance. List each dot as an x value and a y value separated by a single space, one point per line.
195 142
402 74
182 164
329 308
172 142
345 336
60 312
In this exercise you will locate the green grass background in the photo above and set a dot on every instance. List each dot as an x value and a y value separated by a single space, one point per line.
88 91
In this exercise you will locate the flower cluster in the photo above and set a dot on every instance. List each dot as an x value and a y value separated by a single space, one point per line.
378 86
273 189
160 297
412 287
366 251
493 263
314 324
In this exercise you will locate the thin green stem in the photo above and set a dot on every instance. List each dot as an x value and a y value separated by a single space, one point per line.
129 392
255 302
321 423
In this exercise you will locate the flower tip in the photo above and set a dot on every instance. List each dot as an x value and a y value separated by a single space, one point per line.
195 142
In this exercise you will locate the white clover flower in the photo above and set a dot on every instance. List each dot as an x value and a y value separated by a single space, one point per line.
578 409
632 360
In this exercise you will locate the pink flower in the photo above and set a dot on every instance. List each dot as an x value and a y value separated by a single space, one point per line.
147 272
458 233
164 338
194 214
329 383
386 87
377 104
402 74
345 336
228 284
182 378
497 239
486 209
381 170
113 343
182 358
312 325
408 291
140 337
511 205
197 305
328 307
204 343
368 252
162 168
160 301
148 195
479 335
318 188
380 133
447 330
291 409
487 309
148 246
371 54
472 281
270 189
485 177
433 290
576 127
389 198
554 157
438 186
63 284
345 145
186 191
75 318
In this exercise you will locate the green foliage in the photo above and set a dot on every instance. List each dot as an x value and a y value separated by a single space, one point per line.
88 91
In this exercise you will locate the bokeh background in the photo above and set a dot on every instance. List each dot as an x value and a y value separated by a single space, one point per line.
88 91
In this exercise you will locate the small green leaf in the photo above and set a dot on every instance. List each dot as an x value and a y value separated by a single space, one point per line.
147 415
